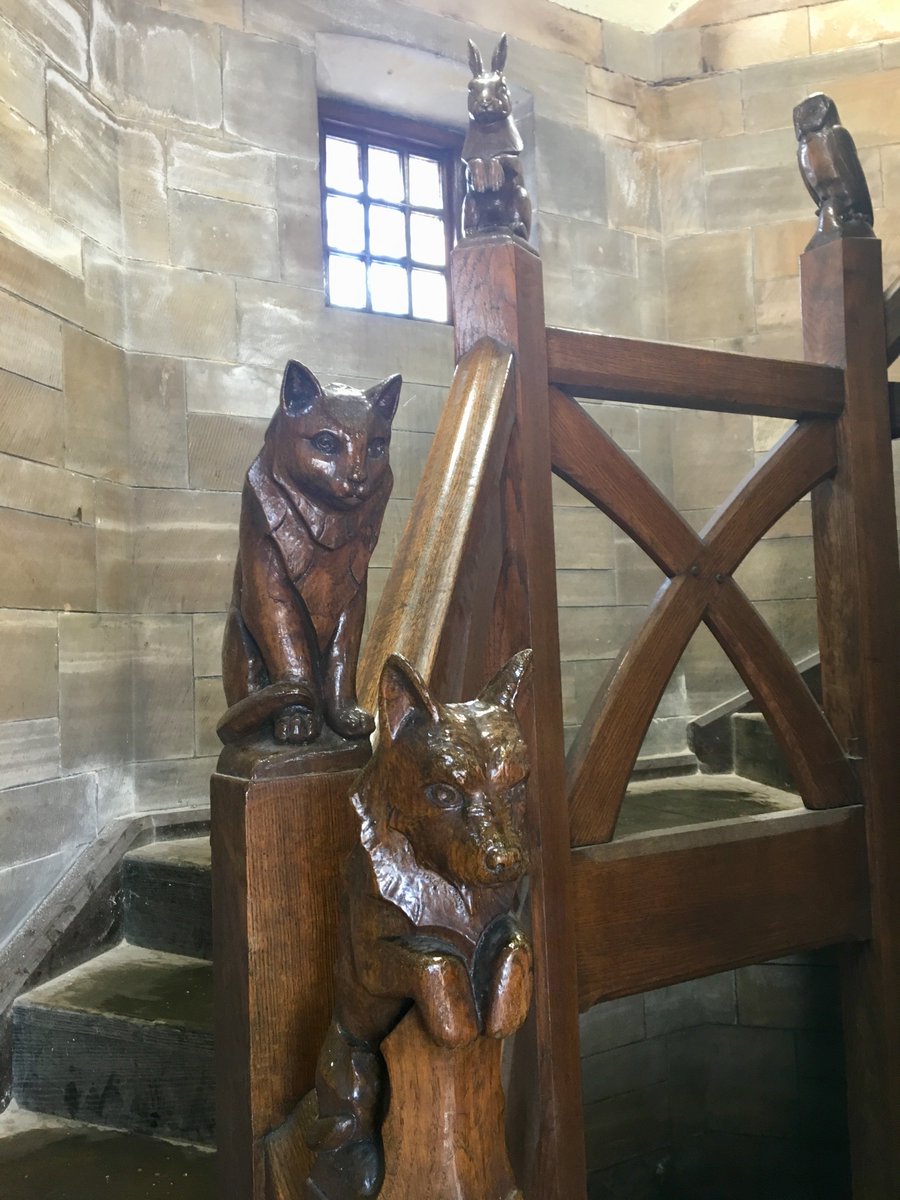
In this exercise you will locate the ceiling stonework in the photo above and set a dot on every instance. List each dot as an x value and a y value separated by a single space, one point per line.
645 15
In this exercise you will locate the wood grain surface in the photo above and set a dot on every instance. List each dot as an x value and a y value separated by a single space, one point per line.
701 587
498 292
444 1134
276 850
858 591
449 555
655 909
614 368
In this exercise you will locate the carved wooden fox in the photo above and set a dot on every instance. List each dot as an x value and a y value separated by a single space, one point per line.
310 517
427 908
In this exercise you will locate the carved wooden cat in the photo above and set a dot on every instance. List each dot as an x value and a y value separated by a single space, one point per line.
311 512
427 909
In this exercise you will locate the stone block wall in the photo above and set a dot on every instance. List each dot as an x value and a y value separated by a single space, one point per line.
726 1086
160 258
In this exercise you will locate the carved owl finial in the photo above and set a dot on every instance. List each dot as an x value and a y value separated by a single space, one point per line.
830 168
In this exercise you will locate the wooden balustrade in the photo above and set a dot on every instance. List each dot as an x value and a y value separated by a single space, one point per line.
700 588
594 365
473 582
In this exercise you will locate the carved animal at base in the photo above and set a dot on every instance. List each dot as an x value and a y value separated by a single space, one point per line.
830 168
496 199
427 909
311 513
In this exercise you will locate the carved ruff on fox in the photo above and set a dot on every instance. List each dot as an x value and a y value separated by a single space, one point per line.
311 513
427 918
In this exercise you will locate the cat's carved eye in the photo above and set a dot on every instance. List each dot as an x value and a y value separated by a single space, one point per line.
377 448
444 795
327 442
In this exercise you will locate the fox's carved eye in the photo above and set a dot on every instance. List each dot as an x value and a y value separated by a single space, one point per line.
327 442
444 795
377 448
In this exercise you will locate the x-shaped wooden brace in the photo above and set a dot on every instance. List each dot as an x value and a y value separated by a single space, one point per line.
699 588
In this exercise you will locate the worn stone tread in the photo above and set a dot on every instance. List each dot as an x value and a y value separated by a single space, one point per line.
57 1159
167 896
653 804
124 1040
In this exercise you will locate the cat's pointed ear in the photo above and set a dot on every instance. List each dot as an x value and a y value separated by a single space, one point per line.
299 389
385 396
498 61
505 686
402 694
476 64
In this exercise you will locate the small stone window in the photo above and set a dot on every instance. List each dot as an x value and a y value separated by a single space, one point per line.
390 194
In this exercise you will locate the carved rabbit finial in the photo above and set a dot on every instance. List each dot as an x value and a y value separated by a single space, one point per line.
496 199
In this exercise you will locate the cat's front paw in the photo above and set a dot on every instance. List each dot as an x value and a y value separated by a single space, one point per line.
351 722
297 724
511 988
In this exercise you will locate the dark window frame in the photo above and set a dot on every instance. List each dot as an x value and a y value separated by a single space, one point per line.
367 127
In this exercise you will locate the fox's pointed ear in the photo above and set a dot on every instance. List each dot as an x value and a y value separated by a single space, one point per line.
299 389
476 64
402 694
504 688
385 396
498 61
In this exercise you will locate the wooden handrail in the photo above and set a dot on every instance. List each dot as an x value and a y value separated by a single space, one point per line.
613 368
449 556
892 321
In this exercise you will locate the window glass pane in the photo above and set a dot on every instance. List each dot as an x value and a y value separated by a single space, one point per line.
426 235
429 295
425 189
342 166
346 230
389 288
385 175
387 232
346 281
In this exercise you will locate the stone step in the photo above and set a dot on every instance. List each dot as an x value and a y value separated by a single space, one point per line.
124 1040
48 1158
166 894
651 805
756 753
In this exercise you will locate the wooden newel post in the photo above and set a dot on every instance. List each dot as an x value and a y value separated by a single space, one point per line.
498 292
858 587
281 825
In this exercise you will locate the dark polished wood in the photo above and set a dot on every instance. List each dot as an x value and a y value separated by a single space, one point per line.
498 291
655 909
496 200
445 568
595 365
830 168
701 587
858 590
428 920
892 321
275 914
468 1162
311 513
894 395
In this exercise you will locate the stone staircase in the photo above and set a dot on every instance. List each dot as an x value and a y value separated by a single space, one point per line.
113 1061
734 738
122 1043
